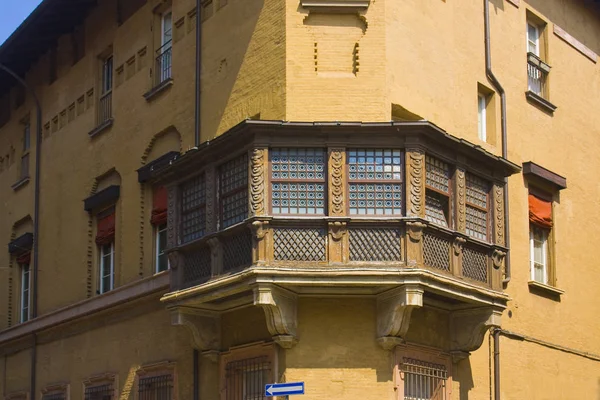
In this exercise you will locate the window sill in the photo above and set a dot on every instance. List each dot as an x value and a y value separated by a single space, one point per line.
101 128
540 102
158 89
546 289
20 183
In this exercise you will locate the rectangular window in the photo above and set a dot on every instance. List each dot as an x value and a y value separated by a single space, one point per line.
164 53
158 387
25 292
193 208
477 204
107 272
162 262
375 181
437 191
533 38
99 392
298 181
106 85
423 380
481 117
537 69
246 379
233 191
540 229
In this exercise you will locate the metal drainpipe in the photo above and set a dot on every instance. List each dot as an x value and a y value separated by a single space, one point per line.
36 219
500 89
196 372
496 335
198 72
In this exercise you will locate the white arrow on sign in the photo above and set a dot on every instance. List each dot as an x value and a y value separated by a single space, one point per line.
275 390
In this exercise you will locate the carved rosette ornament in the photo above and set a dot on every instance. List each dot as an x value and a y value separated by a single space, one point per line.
416 183
499 215
257 182
336 181
460 194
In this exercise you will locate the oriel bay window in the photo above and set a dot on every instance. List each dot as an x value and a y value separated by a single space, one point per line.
298 181
375 181
437 192
477 207
233 191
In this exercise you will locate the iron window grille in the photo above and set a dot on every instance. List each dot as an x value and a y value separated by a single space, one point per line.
477 207
99 392
423 380
246 379
438 192
156 387
375 181
298 181
233 191
193 208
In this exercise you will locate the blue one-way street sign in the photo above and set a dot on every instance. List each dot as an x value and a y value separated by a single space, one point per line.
284 389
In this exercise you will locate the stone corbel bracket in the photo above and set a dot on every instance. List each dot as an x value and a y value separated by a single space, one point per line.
394 308
204 327
280 307
468 327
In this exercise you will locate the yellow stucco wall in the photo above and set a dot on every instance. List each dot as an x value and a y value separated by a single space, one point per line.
275 60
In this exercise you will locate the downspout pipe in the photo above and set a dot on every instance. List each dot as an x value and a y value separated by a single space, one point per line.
36 207
496 336
198 73
33 369
196 371
490 75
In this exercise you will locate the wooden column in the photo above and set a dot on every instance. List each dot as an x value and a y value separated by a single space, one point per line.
337 230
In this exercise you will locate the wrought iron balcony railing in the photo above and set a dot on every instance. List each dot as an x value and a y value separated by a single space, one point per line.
537 75
163 63
105 108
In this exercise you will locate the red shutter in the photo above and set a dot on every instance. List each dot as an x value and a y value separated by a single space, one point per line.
24 259
106 230
159 206
540 211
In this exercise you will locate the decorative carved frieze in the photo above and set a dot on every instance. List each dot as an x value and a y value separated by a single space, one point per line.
460 200
280 307
257 182
393 314
468 327
336 181
204 327
415 159
499 215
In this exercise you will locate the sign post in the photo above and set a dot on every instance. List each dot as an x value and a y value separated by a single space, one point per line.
284 389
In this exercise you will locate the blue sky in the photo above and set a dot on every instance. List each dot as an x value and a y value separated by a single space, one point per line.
12 15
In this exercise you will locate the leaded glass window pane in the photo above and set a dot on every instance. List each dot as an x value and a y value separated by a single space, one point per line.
298 181
375 181
193 208
233 190
477 207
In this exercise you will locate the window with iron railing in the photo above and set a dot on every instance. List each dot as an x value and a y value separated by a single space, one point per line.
438 192
164 53
158 387
233 191
106 82
246 379
99 392
477 207
298 181
423 380
193 208
375 181
537 69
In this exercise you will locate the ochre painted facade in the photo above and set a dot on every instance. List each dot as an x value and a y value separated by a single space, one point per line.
290 60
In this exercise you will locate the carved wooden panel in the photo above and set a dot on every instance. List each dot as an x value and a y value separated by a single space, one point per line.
499 215
237 251
375 244
475 264
436 251
415 185
460 200
337 158
197 265
257 182
299 244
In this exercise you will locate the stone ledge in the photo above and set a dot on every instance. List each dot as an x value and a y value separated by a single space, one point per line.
123 294
547 289
158 89
339 6
101 128
540 102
